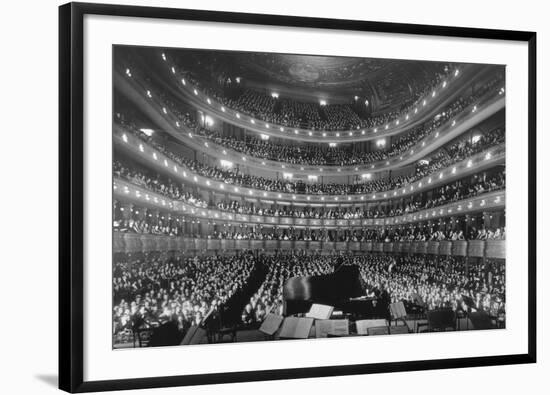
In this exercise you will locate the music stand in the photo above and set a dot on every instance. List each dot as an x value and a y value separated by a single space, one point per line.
398 312
320 311
271 325
296 328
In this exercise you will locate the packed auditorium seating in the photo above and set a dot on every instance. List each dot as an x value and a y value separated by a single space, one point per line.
156 183
458 190
189 250
416 233
155 288
281 267
453 154
322 154
315 155
294 113
440 282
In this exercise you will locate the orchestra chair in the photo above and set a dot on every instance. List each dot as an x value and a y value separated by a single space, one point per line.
217 328
421 324
142 336
141 332
378 330
441 320
213 326
230 331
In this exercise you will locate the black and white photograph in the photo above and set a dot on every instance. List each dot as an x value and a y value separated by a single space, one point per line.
262 196
287 197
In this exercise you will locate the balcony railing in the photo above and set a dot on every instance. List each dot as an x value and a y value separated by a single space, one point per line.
425 107
131 242
162 163
445 133
472 115
126 191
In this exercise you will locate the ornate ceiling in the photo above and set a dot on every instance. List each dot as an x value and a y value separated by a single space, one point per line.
314 71
386 82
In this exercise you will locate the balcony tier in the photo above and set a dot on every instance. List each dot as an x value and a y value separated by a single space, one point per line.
131 243
128 192
472 115
146 154
426 107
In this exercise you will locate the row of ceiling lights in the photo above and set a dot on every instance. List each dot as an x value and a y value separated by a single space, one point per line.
169 216
379 143
322 102
222 185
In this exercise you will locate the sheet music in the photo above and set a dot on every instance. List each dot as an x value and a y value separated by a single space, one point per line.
398 310
320 311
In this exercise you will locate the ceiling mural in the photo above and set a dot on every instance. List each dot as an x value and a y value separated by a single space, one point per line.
383 82
317 71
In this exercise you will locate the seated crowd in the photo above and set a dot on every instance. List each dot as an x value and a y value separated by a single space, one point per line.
386 234
152 288
452 192
314 116
440 282
458 152
403 144
322 154
205 272
423 233
282 266
146 224
442 158
449 193
156 183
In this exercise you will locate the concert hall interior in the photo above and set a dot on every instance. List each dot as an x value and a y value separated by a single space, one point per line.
263 196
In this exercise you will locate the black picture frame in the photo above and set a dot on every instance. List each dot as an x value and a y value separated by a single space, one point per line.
71 173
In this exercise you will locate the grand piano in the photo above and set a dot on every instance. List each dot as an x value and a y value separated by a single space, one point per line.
342 289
